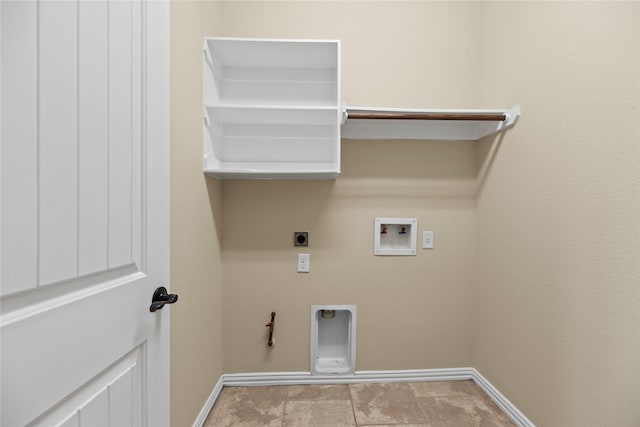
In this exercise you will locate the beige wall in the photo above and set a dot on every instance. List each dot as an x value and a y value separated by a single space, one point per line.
196 223
413 312
393 52
556 325
534 277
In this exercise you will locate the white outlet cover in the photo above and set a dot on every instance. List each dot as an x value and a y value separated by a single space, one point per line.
427 239
303 263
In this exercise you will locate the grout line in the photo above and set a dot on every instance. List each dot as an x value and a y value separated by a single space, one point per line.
284 407
422 411
353 407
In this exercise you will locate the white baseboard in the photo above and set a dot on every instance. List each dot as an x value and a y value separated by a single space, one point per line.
287 378
204 412
503 403
291 378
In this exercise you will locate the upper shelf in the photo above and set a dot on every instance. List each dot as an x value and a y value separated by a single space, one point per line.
271 108
421 124
271 72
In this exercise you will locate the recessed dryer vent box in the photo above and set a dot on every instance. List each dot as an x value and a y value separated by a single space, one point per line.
395 236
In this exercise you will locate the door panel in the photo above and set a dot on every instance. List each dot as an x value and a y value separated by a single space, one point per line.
20 137
72 133
57 195
120 127
84 213
112 398
93 134
50 354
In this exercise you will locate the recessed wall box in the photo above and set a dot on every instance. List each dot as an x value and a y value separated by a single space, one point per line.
333 339
395 236
301 238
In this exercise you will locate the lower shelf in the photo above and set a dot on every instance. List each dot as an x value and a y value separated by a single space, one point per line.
271 142
272 170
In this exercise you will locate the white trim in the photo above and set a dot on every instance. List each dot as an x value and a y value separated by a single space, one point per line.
291 378
286 378
204 412
499 399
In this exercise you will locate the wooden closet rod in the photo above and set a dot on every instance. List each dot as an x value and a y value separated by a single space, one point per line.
387 115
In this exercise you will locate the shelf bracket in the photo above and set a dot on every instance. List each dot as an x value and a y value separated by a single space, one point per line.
205 117
513 114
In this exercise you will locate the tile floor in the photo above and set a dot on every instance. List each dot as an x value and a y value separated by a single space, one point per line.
439 403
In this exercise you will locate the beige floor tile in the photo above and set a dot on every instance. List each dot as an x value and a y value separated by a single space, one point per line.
385 404
483 401
434 404
249 406
393 425
319 392
320 413
445 388
462 411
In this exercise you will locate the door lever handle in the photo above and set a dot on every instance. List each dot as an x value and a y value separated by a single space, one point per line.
160 298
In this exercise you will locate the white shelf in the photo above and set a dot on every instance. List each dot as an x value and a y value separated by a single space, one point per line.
271 108
273 170
272 111
423 124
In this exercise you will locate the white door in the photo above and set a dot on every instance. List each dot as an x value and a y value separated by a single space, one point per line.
84 213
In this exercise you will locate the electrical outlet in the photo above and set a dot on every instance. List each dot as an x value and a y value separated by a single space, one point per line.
303 263
301 238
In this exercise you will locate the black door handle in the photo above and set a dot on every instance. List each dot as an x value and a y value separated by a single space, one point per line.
160 298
